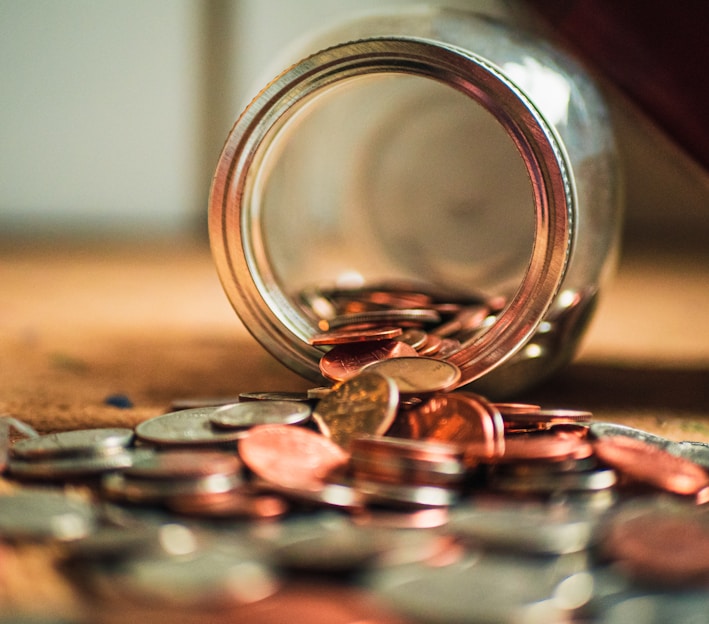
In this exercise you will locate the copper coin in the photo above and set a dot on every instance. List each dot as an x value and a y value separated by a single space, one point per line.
185 464
233 504
395 316
418 375
545 447
348 336
364 404
668 546
347 360
649 464
457 418
415 338
291 457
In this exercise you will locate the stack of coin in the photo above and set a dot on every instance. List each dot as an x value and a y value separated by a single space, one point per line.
178 475
72 454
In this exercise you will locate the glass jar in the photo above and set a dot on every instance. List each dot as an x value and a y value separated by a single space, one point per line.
434 148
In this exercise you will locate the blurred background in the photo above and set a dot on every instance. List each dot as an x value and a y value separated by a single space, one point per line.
113 112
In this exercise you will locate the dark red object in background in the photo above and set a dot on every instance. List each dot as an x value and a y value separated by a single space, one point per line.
657 53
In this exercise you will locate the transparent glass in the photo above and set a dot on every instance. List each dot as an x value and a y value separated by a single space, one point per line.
427 146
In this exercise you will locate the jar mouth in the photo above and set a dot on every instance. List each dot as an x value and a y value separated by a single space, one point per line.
236 209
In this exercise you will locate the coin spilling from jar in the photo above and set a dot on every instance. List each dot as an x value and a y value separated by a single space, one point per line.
439 504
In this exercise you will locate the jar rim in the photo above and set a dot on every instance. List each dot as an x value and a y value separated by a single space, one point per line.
258 301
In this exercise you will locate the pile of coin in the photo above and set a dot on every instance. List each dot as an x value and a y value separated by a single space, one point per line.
442 505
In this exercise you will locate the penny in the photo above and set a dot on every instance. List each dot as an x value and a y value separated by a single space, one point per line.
646 463
290 456
186 427
418 375
364 404
252 413
76 442
231 504
354 335
459 418
345 361
545 447
394 316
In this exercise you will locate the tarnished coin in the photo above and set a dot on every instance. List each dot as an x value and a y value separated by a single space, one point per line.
291 457
418 375
601 430
345 361
252 413
76 442
697 452
34 514
186 427
365 404
647 463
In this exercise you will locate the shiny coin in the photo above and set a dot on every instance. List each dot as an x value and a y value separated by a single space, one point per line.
552 446
406 496
194 402
186 427
459 418
323 494
647 463
31 514
364 404
415 338
78 442
418 375
252 413
345 336
291 457
345 361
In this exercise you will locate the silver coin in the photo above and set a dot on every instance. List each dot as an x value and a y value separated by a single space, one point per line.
407 496
417 375
326 495
118 487
186 427
533 529
252 413
605 429
206 578
698 452
591 481
34 514
70 467
76 442
281 395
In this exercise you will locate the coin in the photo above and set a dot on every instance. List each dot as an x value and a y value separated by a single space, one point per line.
290 456
345 336
281 395
63 468
35 514
406 496
119 487
394 316
231 504
646 463
348 360
183 464
186 427
418 375
364 404
459 418
76 442
252 413
605 430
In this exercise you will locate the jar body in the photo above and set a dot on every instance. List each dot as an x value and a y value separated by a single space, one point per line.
424 146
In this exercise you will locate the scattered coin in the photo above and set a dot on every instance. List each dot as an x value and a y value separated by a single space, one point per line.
264 412
348 360
191 427
73 443
418 375
364 404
